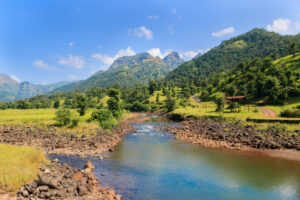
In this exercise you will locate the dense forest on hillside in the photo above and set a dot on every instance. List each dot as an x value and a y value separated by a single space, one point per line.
255 43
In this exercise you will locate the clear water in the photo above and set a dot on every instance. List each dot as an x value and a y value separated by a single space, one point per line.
151 165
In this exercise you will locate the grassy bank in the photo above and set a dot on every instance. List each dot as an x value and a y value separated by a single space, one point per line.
18 165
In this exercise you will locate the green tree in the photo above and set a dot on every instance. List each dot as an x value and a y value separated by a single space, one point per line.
114 103
292 48
63 116
157 98
56 104
81 103
220 103
170 103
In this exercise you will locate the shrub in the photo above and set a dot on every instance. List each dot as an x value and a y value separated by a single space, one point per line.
139 107
109 124
102 115
290 113
277 128
63 116
74 122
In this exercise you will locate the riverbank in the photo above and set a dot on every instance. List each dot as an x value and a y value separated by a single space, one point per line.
50 142
222 135
68 144
60 181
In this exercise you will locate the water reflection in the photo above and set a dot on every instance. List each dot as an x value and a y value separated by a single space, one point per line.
151 165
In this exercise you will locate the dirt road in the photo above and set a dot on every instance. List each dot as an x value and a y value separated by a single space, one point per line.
268 112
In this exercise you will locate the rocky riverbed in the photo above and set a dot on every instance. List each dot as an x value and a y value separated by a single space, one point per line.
60 181
66 144
231 136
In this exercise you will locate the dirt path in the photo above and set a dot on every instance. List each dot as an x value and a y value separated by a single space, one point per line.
196 99
268 112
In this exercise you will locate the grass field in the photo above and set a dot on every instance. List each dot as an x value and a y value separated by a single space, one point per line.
18 165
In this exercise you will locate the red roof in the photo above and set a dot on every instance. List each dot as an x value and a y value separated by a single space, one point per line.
236 97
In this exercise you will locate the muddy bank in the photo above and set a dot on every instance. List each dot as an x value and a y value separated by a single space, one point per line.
66 144
60 181
236 137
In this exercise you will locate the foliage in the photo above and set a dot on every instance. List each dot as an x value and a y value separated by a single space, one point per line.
170 104
102 115
81 103
74 122
63 116
293 113
109 124
56 104
219 101
138 107
255 43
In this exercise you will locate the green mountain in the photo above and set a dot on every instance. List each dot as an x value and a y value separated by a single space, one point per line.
259 79
128 71
11 90
255 43
173 60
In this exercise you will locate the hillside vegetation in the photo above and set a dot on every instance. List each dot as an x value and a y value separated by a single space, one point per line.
130 70
257 43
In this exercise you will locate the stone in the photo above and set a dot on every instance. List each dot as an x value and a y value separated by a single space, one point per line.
82 190
43 188
88 166
25 193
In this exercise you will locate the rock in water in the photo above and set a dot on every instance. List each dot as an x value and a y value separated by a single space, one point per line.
88 166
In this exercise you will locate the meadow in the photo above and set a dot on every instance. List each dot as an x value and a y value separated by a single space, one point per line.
18 165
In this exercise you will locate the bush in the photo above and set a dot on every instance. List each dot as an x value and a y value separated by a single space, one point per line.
139 107
63 116
74 122
277 128
290 113
109 124
102 115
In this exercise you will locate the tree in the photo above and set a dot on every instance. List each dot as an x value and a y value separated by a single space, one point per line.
170 103
114 103
220 103
292 48
152 86
63 116
157 98
56 104
81 103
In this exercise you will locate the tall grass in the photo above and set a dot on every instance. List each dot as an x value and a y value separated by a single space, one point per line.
18 165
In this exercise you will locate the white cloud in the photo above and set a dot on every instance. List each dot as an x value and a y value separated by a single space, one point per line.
192 54
157 52
15 78
43 65
108 60
223 32
73 77
284 26
142 31
72 61
71 44
153 17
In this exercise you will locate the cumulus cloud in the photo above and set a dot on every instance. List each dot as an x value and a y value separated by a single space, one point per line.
73 77
43 65
157 52
191 54
284 26
153 17
108 60
15 78
142 31
223 32
71 44
72 61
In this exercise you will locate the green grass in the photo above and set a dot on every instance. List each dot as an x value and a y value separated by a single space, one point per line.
290 61
18 165
290 105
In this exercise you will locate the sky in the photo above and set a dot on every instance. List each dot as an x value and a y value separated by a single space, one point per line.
64 40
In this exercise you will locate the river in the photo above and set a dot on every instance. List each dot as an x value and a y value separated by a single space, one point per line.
151 164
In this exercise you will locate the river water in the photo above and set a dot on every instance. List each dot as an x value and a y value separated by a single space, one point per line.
151 164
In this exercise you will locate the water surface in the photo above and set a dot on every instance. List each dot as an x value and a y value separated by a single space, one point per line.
151 164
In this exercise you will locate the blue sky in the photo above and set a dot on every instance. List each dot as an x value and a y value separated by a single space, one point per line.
53 40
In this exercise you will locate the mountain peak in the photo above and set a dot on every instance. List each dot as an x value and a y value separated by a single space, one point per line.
128 60
173 59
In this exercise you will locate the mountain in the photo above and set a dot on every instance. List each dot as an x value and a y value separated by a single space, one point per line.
173 60
11 90
130 70
255 43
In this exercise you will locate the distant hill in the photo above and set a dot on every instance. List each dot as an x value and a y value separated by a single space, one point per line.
130 70
259 79
255 43
11 90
